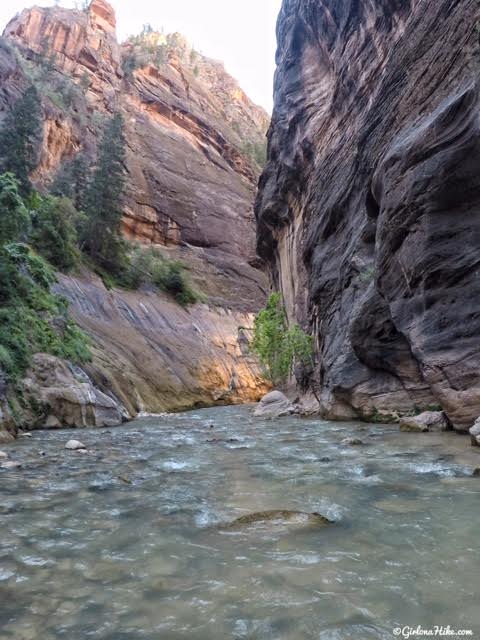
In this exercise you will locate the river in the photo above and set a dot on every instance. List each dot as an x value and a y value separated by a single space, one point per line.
126 542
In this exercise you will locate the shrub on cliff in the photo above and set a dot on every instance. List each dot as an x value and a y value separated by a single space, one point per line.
151 266
54 234
279 347
14 216
32 319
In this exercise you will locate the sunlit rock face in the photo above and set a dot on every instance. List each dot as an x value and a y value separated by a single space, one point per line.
191 179
368 210
187 126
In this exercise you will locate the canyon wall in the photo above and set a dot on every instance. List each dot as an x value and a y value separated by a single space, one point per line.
193 141
369 206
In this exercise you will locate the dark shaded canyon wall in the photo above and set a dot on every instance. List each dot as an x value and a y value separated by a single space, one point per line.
369 206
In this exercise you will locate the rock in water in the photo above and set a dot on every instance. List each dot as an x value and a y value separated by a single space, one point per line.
75 445
279 517
11 464
369 205
3 454
352 442
475 433
68 399
274 405
427 421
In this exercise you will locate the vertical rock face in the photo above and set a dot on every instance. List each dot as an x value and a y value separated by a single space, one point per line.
189 128
192 167
369 206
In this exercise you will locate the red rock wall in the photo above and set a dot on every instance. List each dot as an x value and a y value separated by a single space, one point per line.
369 206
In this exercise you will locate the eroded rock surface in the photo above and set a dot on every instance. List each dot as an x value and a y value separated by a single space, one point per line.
191 177
368 210
278 518
63 396
426 421
189 127
153 355
475 433
274 405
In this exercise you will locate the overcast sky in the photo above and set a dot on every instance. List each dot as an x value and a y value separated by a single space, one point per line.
241 33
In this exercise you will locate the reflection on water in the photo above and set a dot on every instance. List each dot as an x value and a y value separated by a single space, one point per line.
123 542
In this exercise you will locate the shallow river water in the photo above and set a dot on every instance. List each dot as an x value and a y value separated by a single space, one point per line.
125 542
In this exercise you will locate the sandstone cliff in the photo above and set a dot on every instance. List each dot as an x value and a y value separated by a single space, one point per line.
192 137
369 206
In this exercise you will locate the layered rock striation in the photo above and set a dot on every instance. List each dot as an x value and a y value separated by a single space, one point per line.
369 206
192 165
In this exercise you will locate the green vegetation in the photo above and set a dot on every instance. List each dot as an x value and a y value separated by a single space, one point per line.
55 224
368 274
78 222
257 152
154 47
72 181
19 139
60 89
32 319
280 348
150 266
102 239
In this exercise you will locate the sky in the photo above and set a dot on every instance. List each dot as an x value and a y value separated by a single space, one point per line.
240 33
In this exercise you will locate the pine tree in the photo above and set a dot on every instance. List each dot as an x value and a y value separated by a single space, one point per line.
20 138
14 217
72 181
104 200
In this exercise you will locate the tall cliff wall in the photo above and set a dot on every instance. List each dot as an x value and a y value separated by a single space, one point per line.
369 206
191 169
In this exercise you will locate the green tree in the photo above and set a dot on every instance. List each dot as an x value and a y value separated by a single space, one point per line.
54 233
279 348
104 201
72 181
20 138
14 216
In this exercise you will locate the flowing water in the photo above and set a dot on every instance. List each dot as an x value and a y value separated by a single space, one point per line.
126 542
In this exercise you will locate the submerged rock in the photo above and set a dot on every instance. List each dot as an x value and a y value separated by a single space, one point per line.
281 517
353 442
75 445
395 505
11 464
475 433
426 421
274 405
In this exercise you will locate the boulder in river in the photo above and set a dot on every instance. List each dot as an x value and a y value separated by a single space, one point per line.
274 405
68 397
75 445
3 454
279 517
475 433
11 464
353 442
426 421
